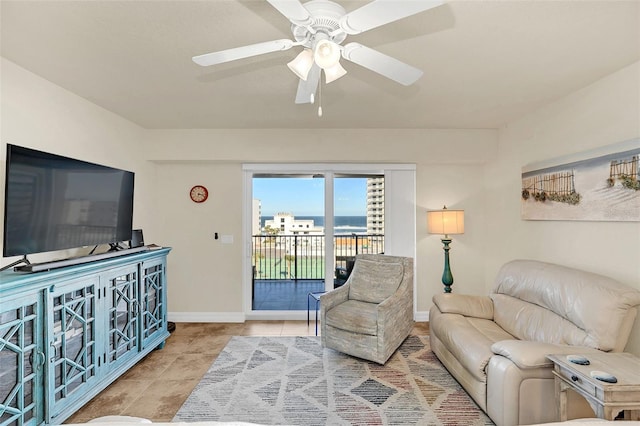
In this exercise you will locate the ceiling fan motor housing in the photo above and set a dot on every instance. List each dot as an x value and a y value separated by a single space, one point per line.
324 23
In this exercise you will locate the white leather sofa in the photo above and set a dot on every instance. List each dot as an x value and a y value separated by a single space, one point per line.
495 345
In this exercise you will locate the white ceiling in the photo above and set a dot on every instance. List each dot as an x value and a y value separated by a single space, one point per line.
485 62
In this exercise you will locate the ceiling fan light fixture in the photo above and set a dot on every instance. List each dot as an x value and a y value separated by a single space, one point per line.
326 54
302 64
334 73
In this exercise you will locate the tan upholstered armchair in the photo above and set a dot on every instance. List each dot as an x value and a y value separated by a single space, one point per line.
372 313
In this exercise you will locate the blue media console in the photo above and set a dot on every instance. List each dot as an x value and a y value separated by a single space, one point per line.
67 333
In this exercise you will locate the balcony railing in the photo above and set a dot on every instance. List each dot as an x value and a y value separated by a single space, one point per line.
294 257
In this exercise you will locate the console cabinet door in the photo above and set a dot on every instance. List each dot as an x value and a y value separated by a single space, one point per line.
154 301
21 361
72 352
123 314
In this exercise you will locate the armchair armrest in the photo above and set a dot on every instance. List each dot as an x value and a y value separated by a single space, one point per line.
395 307
334 297
464 304
526 354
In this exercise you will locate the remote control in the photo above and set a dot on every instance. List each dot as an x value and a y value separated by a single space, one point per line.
604 377
578 359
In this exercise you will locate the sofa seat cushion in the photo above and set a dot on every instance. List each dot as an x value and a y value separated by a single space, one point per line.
469 340
354 316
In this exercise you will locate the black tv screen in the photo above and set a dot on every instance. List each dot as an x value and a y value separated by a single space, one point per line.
55 203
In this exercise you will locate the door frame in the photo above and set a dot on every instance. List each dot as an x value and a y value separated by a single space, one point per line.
400 217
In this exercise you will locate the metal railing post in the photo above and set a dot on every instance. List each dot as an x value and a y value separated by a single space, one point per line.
295 258
272 254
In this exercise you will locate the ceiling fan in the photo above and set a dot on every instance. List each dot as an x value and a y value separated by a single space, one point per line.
320 27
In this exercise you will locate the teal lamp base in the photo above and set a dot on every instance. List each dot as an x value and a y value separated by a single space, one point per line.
447 277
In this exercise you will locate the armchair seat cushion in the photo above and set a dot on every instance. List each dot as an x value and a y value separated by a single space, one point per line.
354 316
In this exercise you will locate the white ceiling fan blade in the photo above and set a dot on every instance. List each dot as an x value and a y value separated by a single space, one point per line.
308 88
293 10
380 12
242 52
382 64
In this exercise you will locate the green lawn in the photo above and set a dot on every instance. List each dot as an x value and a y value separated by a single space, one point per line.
279 269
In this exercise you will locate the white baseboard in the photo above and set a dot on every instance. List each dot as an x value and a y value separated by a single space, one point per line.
281 315
422 316
206 316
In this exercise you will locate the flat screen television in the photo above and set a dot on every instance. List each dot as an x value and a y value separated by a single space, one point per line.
53 203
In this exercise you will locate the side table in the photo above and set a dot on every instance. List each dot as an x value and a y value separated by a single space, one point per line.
606 399
315 295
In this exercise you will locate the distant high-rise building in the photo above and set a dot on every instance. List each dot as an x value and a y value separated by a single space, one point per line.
375 205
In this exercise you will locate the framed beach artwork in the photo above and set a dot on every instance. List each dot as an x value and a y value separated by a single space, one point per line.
597 185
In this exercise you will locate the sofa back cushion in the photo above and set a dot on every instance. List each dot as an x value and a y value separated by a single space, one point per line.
528 321
556 304
375 279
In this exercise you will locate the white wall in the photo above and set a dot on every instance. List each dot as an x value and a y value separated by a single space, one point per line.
477 170
206 276
40 115
603 113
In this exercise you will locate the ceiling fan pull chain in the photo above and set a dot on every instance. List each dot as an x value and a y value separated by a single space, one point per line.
320 97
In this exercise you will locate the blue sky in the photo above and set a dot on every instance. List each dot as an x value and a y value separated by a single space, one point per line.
305 196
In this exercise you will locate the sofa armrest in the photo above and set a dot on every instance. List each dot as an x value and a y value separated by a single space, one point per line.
527 354
464 304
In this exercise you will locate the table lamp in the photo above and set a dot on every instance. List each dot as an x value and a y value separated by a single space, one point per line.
446 222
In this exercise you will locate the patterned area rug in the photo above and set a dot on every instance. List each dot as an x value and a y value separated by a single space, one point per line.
293 381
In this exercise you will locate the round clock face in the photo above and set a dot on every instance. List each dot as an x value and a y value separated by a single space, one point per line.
199 194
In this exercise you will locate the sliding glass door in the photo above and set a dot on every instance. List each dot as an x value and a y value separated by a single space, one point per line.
358 221
304 225
287 241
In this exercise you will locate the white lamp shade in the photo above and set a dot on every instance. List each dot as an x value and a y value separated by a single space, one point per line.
334 73
302 64
326 54
445 222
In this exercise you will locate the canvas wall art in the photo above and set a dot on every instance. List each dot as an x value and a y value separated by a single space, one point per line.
597 185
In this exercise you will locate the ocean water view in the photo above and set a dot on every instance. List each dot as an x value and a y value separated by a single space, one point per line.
342 225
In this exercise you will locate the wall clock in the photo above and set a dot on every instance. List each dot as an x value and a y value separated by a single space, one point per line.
199 194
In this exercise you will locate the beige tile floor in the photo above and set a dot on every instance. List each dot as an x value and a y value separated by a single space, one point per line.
157 386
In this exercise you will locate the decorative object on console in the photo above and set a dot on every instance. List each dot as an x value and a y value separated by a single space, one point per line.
137 238
199 194
446 222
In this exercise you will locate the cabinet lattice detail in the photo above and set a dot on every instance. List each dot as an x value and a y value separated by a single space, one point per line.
154 317
74 360
19 359
123 315
67 333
